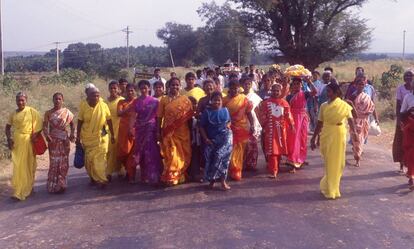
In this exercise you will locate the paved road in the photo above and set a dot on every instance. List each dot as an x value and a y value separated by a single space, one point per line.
376 211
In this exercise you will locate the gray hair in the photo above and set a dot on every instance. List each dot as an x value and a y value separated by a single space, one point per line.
89 86
93 90
327 73
21 94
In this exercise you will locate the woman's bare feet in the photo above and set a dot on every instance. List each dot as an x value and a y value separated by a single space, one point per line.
224 185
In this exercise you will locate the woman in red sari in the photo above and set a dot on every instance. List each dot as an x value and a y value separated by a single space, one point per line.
126 135
407 117
275 117
297 138
55 126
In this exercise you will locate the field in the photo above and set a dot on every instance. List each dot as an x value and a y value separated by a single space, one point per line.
40 97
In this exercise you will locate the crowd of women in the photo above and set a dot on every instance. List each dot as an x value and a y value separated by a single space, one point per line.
213 122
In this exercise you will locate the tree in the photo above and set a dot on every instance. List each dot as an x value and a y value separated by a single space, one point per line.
223 31
185 43
307 32
86 57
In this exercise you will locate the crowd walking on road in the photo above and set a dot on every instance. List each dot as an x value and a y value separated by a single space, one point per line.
209 127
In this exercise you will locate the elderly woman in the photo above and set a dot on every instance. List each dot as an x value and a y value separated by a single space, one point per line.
92 134
55 126
26 123
402 91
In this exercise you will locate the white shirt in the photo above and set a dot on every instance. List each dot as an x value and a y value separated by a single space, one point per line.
407 103
255 100
319 85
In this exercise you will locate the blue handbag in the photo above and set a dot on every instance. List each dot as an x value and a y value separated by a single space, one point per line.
79 160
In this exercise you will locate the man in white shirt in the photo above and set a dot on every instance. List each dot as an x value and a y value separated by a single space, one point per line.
157 77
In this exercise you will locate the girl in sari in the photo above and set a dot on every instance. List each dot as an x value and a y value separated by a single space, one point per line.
191 90
397 148
174 112
217 135
26 124
275 117
55 126
147 151
92 135
159 89
362 106
331 127
297 140
242 125
252 151
126 137
407 117
114 165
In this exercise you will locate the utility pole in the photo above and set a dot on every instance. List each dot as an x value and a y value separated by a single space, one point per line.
57 58
172 59
403 55
1 42
238 53
127 31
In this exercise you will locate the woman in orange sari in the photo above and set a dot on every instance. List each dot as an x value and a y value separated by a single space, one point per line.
174 112
242 125
126 135
363 106
55 126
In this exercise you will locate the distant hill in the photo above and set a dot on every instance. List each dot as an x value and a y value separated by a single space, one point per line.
26 53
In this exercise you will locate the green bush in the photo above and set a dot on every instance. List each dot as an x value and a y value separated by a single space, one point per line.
68 77
11 84
390 81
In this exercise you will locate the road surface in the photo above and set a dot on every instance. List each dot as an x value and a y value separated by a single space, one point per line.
376 211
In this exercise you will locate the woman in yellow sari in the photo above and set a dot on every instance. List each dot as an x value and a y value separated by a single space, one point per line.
26 123
114 165
242 125
331 125
174 112
92 134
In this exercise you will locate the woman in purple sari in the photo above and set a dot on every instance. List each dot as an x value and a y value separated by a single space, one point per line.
147 151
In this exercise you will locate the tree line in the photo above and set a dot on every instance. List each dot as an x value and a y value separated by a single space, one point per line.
303 32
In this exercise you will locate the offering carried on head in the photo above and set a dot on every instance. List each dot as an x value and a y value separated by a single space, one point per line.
297 71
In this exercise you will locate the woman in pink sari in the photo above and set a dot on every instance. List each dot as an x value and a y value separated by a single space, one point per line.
146 150
55 126
297 138
362 106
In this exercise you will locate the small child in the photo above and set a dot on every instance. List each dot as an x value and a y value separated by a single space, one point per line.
275 117
194 168
218 138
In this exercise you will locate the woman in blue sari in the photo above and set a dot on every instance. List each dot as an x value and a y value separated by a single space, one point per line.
216 132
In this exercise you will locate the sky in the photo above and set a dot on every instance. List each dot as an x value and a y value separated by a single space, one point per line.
33 25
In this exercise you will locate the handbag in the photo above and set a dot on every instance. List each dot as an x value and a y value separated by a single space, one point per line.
79 160
38 142
374 129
